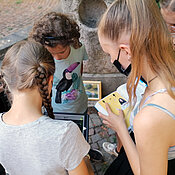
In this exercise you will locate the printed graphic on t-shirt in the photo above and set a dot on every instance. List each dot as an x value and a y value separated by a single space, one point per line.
67 87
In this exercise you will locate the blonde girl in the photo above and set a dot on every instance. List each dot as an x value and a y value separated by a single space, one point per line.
32 143
133 31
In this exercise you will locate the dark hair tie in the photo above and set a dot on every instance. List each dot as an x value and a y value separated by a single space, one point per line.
48 39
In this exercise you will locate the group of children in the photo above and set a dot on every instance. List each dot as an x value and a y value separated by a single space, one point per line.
46 71
53 36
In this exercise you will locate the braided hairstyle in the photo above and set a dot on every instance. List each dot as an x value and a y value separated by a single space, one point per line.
28 65
5 100
56 28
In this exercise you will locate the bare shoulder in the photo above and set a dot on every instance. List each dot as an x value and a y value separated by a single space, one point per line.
152 123
153 129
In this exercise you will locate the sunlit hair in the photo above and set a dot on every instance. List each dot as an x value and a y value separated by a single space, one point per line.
149 37
56 25
28 65
168 4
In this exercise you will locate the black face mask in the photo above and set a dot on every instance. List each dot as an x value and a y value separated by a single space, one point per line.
120 68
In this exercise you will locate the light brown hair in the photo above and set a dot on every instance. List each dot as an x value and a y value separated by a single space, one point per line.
149 37
27 65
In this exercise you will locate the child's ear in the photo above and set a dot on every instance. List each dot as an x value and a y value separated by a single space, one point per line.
126 49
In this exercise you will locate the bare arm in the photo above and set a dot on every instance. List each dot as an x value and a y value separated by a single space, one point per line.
117 123
119 143
84 168
131 151
152 134
150 155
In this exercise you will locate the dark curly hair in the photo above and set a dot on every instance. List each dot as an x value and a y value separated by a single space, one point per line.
56 28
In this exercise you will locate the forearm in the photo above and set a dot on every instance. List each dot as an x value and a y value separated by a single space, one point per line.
89 166
117 123
131 151
84 168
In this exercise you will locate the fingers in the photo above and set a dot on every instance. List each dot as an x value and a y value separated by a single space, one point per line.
109 111
108 108
111 120
102 115
105 122
105 119
121 112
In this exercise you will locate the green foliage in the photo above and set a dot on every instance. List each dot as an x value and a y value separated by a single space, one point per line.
18 1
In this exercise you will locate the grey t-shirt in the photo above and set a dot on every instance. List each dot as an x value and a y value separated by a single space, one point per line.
42 147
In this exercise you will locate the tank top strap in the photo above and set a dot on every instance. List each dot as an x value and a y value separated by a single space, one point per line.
161 108
157 92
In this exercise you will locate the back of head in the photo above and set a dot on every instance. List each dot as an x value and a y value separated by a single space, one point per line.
149 37
28 65
56 28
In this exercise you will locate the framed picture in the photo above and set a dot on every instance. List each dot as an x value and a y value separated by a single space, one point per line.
93 89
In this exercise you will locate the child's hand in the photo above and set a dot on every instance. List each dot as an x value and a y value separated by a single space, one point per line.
113 121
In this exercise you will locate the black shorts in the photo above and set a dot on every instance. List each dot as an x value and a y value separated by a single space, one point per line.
171 167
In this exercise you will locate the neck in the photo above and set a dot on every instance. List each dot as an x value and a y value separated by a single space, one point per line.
26 107
153 81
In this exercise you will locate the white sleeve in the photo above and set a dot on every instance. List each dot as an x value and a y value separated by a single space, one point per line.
73 147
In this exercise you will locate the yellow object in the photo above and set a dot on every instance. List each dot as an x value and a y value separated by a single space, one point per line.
116 102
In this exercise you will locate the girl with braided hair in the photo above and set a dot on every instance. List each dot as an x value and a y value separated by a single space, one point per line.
32 143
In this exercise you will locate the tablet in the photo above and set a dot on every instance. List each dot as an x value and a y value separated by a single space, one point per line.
82 120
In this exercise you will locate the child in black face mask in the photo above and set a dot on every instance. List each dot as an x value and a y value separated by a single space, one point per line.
120 68
113 148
